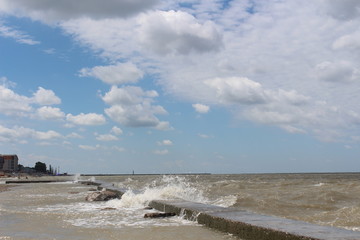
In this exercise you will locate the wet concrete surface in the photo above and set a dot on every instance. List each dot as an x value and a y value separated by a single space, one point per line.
244 224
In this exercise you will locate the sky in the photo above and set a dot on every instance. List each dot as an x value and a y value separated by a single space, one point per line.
181 86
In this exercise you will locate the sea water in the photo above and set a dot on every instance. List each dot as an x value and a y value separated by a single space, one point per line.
59 210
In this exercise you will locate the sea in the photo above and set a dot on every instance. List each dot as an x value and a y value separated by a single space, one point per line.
59 210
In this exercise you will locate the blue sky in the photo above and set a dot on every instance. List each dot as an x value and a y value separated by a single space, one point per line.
181 86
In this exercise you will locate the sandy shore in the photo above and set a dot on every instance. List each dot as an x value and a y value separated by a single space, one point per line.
4 187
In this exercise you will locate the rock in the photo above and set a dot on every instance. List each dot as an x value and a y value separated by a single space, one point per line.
102 196
74 192
148 208
159 215
92 190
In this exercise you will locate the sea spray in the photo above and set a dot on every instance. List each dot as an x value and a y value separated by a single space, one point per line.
167 187
77 177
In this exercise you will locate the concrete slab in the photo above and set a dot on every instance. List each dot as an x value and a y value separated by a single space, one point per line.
244 224
252 226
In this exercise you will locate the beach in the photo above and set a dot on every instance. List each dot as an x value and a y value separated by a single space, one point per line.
59 211
4 187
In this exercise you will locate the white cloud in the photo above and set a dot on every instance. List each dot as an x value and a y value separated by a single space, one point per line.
201 108
163 126
107 137
21 134
161 152
46 97
337 72
128 95
204 135
12 103
237 90
88 119
131 106
348 42
165 142
116 130
177 32
88 147
47 135
255 63
74 135
50 113
120 73
17 35
50 11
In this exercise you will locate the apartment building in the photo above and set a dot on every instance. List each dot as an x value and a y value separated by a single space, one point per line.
9 162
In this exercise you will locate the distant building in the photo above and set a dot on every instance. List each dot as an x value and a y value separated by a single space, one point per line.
9 162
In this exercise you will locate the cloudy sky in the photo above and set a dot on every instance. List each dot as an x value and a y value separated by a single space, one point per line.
181 86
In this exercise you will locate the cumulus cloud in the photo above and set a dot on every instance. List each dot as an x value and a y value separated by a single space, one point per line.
165 33
51 11
46 97
21 134
237 90
258 60
89 119
47 135
117 74
12 103
163 126
74 135
337 72
201 108
177 32
106 137
50 113
129 95
117 130
348 42
132 106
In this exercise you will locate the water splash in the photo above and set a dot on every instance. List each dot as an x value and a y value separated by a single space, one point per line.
77 177
165 188
226 201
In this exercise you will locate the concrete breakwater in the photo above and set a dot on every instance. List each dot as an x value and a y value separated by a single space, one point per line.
243 224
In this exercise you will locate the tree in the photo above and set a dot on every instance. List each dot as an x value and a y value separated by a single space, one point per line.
20 167
40 167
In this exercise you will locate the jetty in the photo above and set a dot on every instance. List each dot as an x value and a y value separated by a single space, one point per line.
244 224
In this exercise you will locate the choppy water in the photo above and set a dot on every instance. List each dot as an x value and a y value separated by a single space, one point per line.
58 211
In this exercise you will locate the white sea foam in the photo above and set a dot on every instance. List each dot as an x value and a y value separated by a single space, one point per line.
168 187
226 201
77 177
